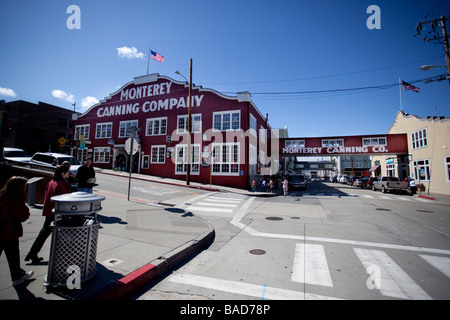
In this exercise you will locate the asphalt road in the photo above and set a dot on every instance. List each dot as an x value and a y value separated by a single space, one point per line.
329 242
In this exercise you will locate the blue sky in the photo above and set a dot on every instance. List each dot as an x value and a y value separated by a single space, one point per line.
266 47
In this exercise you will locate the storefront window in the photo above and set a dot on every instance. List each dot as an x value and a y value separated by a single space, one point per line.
422 170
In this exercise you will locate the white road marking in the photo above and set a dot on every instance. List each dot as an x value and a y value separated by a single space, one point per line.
216 204
440 263
310 265
243 211
247 289
394 281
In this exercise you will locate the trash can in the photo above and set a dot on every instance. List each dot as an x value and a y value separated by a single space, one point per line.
73 250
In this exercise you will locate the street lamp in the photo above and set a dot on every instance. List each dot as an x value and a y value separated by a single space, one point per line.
188 151
428 67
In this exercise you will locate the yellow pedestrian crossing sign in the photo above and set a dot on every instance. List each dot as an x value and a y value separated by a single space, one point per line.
62 141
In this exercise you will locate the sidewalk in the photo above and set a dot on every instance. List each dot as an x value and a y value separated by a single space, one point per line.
137 243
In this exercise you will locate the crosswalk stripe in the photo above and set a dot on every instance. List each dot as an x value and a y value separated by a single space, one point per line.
213 199
310 265
394 282
209 209
237 287
440 263
216 204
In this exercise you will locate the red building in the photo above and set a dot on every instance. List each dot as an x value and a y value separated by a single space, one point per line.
228 132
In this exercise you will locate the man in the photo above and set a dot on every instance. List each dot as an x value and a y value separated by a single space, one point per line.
86 176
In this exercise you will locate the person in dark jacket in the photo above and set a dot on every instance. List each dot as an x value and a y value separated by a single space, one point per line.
13 211
57 186
86 176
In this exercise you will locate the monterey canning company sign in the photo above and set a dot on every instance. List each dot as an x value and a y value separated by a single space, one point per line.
350 145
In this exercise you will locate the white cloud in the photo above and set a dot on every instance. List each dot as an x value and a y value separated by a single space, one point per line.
7 92
130 53
63 95
88 101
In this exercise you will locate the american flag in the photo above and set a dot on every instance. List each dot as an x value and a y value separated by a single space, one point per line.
156 56
408 86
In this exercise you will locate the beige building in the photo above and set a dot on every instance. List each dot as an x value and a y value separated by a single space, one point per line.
429 152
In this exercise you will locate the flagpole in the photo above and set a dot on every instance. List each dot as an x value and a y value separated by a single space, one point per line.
400 88
148 61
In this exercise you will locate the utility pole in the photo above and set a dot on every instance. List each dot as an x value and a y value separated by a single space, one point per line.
433 36
188 151
446 46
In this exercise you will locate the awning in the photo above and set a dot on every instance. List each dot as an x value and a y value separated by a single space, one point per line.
374 168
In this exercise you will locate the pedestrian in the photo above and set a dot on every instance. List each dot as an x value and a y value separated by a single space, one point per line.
57 186
271 185
412 186
263 184
285 186
254 185
86 176
13 211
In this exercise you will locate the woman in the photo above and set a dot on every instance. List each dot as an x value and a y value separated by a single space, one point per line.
13 211
57 186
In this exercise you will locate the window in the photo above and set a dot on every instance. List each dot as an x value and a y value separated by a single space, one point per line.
156 126
422 170
447 167
374 141
82 130
332 143
82 154
101 154
229 120
225 158
294 143
145 161
253 125
158 154
262 134
419 139
103 130
125 125
196 123
181 159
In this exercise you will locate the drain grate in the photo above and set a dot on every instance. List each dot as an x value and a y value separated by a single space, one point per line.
382 209
257 252
274 218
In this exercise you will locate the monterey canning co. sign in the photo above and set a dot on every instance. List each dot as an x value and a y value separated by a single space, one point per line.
141 98
350 145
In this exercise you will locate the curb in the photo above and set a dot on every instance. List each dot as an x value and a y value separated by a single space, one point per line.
426 197
135 280
164 182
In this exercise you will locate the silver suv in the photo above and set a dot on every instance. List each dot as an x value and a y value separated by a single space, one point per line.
52 160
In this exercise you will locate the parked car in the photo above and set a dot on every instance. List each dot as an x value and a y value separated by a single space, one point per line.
390 184
361 182
297 181
52 160
352 179
343 179
16 155
370 182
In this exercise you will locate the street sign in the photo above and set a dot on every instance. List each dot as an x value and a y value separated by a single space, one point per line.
62 141
131 144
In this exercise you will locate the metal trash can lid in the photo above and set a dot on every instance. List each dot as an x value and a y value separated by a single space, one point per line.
77 203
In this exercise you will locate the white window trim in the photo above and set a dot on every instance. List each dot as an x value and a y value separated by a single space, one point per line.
221 162
105 159
157 156
447 165
369 143
104 124
186 124
184 146
86 130
253 125
125 122
231 120
155 119
414 142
